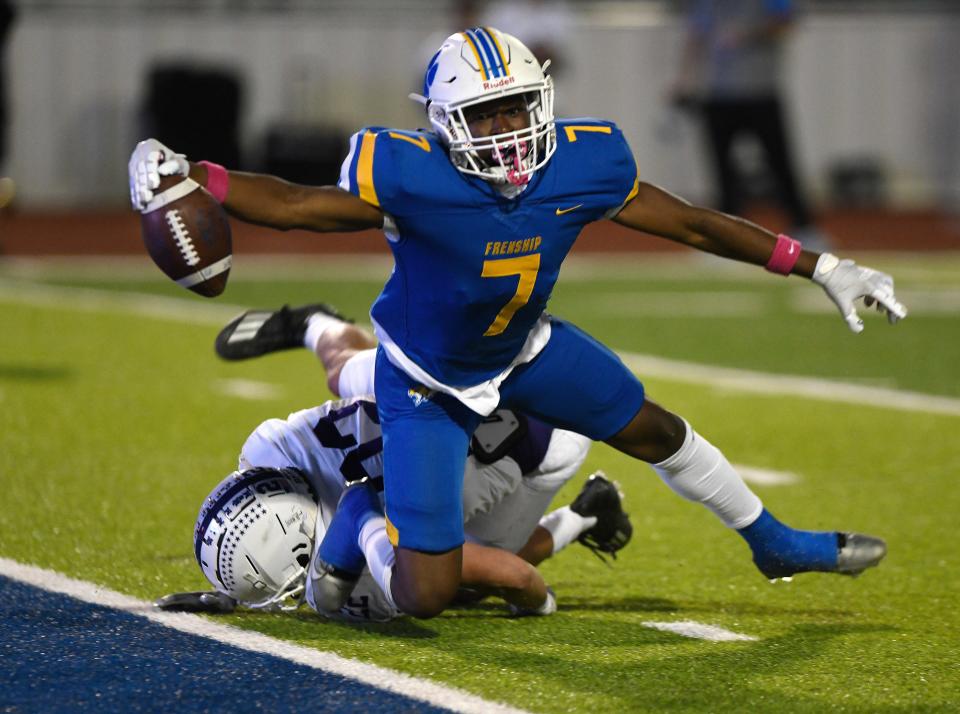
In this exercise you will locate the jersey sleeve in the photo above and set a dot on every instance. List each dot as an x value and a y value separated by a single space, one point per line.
606 171
369 170
384 167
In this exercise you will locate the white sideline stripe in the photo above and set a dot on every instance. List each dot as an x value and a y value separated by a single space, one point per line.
247 389
194 311
372 675
908 268
700 631
207 313
765 477
743 380
941 301
661 303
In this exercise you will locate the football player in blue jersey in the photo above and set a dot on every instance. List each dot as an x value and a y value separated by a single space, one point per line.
479 214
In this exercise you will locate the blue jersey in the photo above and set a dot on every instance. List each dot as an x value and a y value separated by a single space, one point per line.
473 269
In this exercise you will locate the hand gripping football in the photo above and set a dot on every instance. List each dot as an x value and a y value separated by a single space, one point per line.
187 234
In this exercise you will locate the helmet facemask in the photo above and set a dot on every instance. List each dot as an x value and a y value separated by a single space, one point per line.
513 156
289 596
481 65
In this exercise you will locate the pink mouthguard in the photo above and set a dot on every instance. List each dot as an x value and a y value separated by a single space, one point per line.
514 173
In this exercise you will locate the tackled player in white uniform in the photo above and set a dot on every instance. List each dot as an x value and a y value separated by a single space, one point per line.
256 531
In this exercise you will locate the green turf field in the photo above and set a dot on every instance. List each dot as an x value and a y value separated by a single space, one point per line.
117 419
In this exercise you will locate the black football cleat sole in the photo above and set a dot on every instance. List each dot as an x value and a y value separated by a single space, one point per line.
212 602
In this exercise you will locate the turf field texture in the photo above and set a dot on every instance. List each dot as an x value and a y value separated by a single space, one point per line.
117 419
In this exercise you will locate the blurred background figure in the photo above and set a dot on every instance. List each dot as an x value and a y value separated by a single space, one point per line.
279 86
732 72
544 27
211 91
943 124
463 14
7 186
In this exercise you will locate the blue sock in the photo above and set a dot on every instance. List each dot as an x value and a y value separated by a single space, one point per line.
780 551
339 547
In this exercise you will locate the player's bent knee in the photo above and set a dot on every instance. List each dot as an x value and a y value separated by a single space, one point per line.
526 576
519 575
423 602
420 609
424 584
653 435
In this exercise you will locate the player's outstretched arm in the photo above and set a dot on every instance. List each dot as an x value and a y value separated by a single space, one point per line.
271 201
497 572
254 198
660 213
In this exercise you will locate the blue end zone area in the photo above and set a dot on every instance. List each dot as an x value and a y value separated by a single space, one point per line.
58 654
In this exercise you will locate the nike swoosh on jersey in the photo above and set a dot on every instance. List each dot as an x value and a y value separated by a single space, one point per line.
561 211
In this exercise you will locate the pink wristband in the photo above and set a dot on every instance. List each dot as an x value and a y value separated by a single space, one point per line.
785 255
218 180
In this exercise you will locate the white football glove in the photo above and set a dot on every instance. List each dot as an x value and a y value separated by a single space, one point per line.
844 281
149 161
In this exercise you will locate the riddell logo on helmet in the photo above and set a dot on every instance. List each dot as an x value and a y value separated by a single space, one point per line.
499 83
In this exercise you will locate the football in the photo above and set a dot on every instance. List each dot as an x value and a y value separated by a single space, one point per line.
186 232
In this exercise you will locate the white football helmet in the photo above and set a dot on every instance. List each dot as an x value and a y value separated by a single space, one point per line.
254 537
476 66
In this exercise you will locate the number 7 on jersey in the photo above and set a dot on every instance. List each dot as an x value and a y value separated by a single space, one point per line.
526 266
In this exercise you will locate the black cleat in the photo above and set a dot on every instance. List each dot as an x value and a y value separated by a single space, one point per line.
213 602
259 332
602 499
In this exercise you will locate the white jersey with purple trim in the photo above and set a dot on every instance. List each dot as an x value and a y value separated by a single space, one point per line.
332 444
340 441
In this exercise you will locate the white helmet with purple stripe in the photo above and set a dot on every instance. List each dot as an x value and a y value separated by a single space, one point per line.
254 536
478 65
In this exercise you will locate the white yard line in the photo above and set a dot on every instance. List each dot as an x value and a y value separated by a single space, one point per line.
372 675
199 311
252 268
929 301
248 389
662 303
942 268
766 477
700 631
743 380
208 313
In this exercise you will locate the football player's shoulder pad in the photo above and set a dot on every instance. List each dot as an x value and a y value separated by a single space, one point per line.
590 137
384 164
596 152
